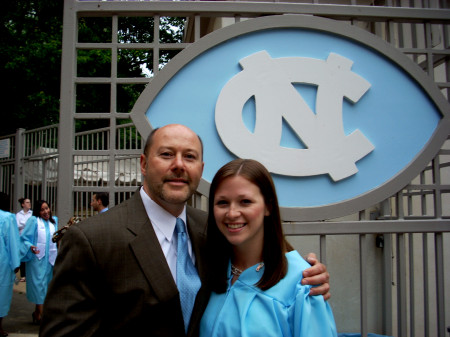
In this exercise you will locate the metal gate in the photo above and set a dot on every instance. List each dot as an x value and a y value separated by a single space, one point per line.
31 169
389 264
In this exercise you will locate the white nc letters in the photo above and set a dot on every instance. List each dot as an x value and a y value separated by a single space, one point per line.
329 150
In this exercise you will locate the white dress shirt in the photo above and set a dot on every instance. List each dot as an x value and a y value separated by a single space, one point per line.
164 225
22 218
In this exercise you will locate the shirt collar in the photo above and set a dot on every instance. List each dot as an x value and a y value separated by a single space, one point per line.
159 217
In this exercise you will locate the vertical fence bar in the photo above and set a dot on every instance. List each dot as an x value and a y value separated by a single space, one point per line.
18 170
363 283
54 184
323 249
401 285
44 181
156 24
411 285
387 284
425 284
437 190
440 294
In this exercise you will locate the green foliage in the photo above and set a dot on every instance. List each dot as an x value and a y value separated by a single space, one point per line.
31 34
94 29
136 29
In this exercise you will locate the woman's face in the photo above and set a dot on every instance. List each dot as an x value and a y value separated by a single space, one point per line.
239 211
45 211
26 205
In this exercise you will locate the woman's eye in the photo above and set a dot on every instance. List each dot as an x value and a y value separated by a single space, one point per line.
221 202
246 201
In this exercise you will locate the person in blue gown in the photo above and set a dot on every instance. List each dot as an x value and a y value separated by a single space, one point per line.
255 275
22 216
39 253
9 260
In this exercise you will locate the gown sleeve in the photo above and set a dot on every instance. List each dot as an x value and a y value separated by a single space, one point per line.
28 239
12 245
312 315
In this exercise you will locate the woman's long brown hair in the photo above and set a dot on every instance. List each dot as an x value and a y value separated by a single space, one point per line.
274 247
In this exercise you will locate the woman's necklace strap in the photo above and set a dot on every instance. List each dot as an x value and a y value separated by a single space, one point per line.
237 272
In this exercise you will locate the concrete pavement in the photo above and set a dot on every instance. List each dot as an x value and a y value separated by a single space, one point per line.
18 323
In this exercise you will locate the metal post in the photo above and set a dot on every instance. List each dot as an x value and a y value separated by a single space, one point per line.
412 312
363 283
67 109
440 299
18 170
387 284
401 285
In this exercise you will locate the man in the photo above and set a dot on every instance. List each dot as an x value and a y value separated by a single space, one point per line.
115 273
100 202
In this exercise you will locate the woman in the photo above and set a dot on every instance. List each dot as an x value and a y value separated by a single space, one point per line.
9 258
39 253
22 218
255 280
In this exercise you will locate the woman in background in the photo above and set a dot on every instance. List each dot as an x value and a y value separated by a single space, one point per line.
39 253
23 215
256 282
22 218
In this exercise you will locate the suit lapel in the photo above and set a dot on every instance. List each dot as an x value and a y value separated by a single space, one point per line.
198 238
148 253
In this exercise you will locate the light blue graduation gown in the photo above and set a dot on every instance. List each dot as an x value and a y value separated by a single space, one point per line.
39 272
286 309
9 259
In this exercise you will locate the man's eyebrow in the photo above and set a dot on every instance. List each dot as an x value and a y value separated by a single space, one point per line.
170 148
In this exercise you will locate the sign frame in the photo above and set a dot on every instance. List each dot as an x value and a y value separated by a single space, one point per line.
346 207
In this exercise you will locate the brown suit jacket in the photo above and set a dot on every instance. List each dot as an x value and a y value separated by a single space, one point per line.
112 279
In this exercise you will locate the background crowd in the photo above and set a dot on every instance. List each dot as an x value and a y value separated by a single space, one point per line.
26 245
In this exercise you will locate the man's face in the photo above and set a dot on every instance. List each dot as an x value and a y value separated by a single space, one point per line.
173 167
95 203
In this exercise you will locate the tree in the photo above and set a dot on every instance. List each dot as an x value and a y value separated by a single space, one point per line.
31 62
30 56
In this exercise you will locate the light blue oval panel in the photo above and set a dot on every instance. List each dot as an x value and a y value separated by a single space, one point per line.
395 114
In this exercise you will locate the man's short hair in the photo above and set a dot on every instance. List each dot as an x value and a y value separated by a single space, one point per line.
103 196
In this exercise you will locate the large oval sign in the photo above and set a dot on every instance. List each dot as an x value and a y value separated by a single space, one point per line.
340 118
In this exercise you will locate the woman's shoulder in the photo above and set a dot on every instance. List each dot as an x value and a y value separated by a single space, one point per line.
294 258
6 217
32 219
288 288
